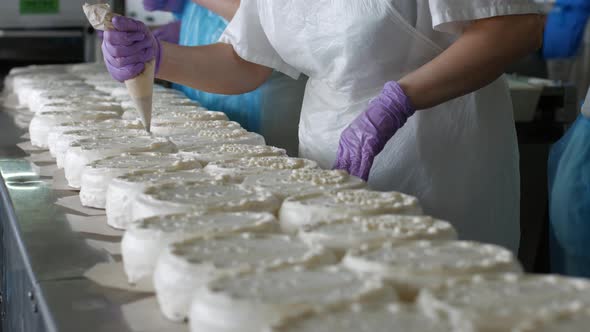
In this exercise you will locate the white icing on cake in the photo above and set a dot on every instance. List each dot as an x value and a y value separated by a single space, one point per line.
255 302
240 168
123 190
350 233
83 152
188 142
503 302
311 207
222 152
172 198
145 239
41 125
186 266
365 318
422 264
303 181
97 176
168 128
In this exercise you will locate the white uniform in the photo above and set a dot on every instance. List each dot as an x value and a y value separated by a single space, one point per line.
460 158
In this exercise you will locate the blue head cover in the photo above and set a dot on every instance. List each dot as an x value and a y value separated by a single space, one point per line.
565 28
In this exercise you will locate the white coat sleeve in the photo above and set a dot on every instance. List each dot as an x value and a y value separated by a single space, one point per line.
453 16
246 34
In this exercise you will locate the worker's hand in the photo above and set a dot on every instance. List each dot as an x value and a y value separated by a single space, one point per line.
169 33
367 135
128 48
165 5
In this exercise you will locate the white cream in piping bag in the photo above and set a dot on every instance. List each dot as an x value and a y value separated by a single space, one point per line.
140 87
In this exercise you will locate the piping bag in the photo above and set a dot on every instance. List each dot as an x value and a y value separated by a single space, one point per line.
140 87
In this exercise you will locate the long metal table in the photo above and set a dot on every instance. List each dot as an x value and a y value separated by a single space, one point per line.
43 261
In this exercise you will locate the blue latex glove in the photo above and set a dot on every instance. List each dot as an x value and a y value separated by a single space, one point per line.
367 135
173 6
128 48
565 28
169 33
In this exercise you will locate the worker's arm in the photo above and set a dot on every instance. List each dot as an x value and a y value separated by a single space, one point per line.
213 68
476 59
223 8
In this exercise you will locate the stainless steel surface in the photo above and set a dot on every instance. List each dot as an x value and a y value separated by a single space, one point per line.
43 261
41 33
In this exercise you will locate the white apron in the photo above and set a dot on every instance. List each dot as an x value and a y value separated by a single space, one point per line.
459 158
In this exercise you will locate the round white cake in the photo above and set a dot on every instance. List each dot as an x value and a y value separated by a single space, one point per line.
186 266
123 190
365 318
145 239
355 232
41 125
103 105
304 181
424 264
97 175
170 198
503 302
311 208
168 128
187 113
83 152
240 168
255 302
222 152
188 142
56 135
68 138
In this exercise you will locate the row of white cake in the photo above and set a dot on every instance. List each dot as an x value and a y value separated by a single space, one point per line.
348 258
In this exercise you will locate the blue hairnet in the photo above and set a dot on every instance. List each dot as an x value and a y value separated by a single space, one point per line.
565 28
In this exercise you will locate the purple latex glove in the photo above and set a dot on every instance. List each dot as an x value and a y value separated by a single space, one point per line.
164 5
169 33
367 135
127 49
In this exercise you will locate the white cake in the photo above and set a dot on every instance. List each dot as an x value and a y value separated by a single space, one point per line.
69 138
365 318
503 302
145 239
107 105
311 208
61 137
179 114
575 318
187 142
123 190
83 152
424 264
97 175
255 302
186 266
168 128
223 152
355 232
240 168
187 196
41 125
304 181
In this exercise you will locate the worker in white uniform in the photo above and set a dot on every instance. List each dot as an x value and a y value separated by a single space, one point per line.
406 93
